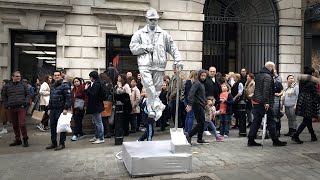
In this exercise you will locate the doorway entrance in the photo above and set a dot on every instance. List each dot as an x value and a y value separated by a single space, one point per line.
33 53
119 54
240 33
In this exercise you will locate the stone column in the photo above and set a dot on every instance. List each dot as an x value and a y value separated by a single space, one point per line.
290 33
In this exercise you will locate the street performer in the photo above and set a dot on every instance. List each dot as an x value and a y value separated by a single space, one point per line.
151 44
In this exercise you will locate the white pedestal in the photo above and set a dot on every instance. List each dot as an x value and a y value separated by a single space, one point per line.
154 158
179 143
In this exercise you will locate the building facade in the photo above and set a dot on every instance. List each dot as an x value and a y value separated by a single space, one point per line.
311 33
37 36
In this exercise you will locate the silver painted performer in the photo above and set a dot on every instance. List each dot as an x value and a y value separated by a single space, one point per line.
151 44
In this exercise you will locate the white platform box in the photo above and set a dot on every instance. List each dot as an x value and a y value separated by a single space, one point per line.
154 158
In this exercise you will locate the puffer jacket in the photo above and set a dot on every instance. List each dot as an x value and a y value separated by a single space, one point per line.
264 89
163 43
15 94
60 96
308 99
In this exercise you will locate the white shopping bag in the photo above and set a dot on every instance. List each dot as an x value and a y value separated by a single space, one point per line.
64 123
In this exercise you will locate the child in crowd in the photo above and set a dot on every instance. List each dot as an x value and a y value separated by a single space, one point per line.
163 97
135 98
225 109
210 113
148 122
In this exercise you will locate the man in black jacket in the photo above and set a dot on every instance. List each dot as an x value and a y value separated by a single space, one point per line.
96 96
16 96
212 85
197 103
263 100
60 102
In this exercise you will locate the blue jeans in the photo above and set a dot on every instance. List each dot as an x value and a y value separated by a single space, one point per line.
99 130
189 121
211 125
148 134
224 121
54 116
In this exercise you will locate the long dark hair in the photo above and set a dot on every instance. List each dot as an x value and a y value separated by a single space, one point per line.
77 78
105 78
123 79
45 78
308 70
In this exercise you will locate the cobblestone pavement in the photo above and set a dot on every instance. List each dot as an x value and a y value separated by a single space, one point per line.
228 160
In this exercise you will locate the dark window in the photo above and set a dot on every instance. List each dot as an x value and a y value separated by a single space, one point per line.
33 53
118 53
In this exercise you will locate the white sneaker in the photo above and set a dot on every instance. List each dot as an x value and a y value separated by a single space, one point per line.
74 138
207 133
93 139
4 131
98 141
41 127
225 136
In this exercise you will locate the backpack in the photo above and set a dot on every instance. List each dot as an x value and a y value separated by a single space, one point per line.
106 91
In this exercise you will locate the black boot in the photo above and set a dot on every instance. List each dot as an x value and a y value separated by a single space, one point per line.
60 147
51 146
289 133
293 132
25 142
188 138
296 139
277 142
16 143
251 143
314 137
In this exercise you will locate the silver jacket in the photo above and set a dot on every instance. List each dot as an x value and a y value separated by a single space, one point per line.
157 60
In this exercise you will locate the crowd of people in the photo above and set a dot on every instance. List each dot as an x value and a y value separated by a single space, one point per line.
206 96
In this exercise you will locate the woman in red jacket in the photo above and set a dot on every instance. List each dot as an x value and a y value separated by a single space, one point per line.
79 106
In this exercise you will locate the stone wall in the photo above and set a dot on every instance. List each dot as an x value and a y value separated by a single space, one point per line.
82 25
290 33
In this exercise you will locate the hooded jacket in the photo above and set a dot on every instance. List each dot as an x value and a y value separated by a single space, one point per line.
197 93
264 90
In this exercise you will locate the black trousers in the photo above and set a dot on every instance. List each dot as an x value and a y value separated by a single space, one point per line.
258 112
200 117
307 122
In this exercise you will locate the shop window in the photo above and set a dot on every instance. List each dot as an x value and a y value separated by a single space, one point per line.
33 53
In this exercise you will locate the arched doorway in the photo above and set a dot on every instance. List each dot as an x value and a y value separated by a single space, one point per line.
240 33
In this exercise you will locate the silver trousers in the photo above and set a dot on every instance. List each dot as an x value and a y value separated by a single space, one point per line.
152 82
291 115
